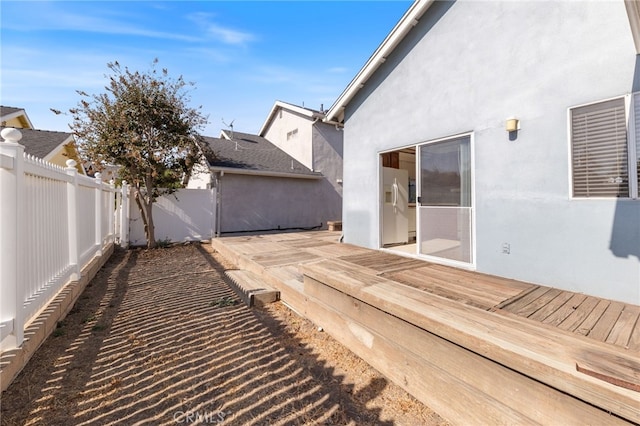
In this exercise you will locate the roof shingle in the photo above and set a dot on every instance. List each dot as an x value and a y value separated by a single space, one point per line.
40 143
6 110
250 152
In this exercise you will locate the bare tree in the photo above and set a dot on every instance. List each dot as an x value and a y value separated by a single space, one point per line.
144 125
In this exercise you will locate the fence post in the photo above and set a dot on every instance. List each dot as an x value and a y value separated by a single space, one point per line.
98 220
111 210
72 218
11 230
124 215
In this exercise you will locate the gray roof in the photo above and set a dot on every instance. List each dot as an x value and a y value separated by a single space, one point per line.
251 152
6 110
40 143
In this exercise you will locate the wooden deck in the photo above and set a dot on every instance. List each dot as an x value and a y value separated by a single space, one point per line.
604 320
564 348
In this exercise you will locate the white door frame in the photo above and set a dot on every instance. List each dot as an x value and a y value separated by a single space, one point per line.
441 260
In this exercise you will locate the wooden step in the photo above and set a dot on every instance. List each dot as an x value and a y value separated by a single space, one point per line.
251 288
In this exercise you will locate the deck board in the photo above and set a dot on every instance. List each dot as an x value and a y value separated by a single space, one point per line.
604 326
416 280
603 320
557 317
261 247
472 277
533 301
621 331
503 289
283 257
335 250
383 262
573 321
550 307
484 297
634 339
592 319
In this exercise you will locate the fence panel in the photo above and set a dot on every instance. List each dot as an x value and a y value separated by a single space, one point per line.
53 223
45 238
107 204
86 219
186 215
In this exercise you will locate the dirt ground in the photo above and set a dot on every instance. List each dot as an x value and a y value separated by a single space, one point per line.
158 337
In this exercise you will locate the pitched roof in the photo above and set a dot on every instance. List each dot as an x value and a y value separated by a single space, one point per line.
403 27
6 110
41 143
244 153
7 113
397 34
308 112
633 13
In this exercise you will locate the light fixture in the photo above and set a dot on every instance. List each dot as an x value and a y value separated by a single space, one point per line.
513 124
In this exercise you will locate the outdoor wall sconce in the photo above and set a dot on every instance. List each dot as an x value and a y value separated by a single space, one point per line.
513 124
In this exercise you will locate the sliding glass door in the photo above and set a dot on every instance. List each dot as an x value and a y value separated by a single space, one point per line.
445 200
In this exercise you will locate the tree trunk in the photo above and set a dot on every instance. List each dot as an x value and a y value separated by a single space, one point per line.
149 226
145 206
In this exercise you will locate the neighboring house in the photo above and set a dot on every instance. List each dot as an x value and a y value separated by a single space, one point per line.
301 133
53 147
14 117
518 121
260 187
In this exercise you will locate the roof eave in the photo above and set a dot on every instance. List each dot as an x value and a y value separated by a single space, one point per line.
59 147
20 114
397 34
633 13
267 173
284 105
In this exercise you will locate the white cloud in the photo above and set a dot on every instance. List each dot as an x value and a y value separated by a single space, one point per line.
207 53
221 33
272 74
48 17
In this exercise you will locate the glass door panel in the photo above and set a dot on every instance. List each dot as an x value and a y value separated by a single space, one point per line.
444 207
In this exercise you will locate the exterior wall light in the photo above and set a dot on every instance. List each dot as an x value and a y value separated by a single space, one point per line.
513 124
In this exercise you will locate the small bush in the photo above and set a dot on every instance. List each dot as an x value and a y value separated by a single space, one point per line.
224 301
163 243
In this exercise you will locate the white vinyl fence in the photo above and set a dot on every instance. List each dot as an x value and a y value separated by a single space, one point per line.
185 215
53 221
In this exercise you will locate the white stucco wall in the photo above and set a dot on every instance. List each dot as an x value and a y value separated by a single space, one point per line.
318 146
477 64
200 176
327 159
299 146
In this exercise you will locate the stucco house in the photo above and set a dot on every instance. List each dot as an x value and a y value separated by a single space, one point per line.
302 133
260 187
505 135
51 146
287 176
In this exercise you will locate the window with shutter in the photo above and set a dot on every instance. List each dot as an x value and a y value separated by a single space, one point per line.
600 151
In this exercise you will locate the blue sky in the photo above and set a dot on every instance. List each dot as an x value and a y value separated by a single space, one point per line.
241 55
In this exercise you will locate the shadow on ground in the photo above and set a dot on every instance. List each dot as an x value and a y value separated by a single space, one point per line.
160 338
